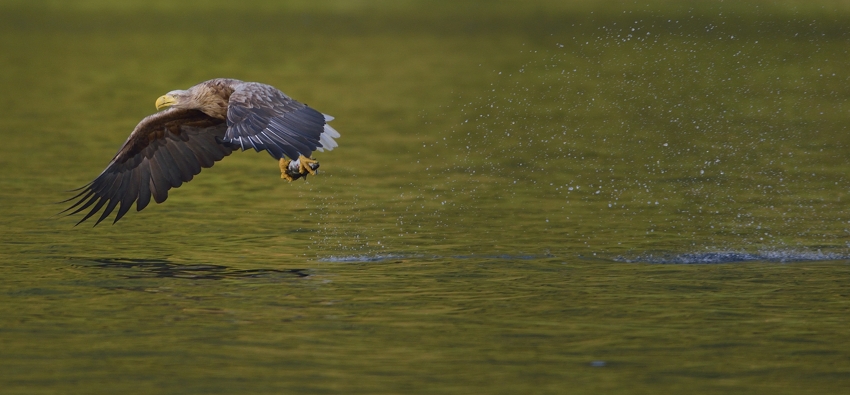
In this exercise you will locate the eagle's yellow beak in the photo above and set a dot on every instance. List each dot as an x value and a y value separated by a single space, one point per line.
165 101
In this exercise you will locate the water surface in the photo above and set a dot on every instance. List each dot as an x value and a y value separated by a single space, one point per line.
527 198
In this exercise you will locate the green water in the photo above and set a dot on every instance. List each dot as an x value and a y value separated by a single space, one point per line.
518 192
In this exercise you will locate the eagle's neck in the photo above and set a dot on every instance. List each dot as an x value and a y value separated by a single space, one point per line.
211 97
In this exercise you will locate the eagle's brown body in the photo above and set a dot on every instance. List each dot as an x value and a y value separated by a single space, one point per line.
201 126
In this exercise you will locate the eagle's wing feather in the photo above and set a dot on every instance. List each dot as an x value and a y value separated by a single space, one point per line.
165 150
263 118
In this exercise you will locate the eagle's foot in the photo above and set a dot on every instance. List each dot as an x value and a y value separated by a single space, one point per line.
284 170
293 170
306 165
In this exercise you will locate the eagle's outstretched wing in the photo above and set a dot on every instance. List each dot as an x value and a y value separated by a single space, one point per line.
165 150
263 118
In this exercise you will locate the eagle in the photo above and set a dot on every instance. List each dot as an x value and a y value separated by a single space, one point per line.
198 127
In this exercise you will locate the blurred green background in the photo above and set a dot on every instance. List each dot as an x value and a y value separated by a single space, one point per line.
508 174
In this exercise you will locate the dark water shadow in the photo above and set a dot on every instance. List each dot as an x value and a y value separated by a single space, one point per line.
162 268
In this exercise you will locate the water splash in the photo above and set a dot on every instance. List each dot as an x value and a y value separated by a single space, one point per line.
386 257
366 258
735 257
780 256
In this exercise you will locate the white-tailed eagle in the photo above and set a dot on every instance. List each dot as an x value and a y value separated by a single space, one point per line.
200 126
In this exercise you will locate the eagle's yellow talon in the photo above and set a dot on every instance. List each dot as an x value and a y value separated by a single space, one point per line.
284 164
304 165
